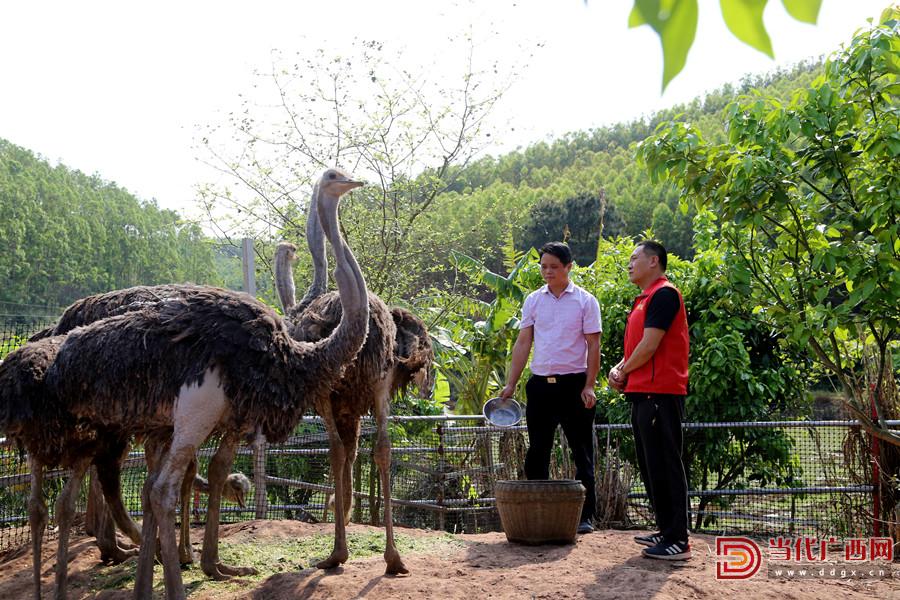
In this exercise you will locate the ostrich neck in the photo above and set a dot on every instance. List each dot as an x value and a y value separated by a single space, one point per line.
316 241
284 273
342 345
284 279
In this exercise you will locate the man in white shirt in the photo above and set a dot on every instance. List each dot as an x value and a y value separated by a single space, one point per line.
563 323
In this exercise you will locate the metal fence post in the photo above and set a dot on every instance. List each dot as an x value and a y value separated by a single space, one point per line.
875 449
442 480
248 264
261 497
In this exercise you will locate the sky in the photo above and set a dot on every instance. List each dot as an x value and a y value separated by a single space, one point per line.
121 89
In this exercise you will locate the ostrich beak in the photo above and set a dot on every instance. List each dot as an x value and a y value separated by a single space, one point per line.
239 497
353 183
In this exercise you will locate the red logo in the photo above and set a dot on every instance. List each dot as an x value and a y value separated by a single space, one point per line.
737 558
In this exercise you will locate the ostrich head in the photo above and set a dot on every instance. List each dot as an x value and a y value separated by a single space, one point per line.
287 252
236 488
337 182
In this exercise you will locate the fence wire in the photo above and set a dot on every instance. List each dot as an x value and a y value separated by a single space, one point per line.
444 470
774 478
16 329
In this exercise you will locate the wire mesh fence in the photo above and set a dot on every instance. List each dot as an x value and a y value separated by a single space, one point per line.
444 470
773 478
19 322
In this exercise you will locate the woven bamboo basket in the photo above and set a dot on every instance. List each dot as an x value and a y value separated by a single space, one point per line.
540 511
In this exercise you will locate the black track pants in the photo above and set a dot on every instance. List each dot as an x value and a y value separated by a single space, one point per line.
656 422
552 404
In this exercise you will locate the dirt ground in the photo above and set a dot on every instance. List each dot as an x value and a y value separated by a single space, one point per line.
605 564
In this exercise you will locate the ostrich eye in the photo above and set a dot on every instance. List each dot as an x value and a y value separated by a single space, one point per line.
331 176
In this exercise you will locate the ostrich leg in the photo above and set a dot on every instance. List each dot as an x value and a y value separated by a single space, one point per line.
219 467
337 454
154 450
109 470
350 439
104 529
65 510
395 564
92 514
185 551
163 496
198 409
37 519
109 510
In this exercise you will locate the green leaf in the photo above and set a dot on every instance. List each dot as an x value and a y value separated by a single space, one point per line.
745 20
675 21
803 10
441 389
636 18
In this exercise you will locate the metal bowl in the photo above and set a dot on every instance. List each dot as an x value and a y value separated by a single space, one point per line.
502 412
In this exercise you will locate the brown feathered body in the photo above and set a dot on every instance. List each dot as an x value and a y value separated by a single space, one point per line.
100 306
49 431
34 417
375 358
397 339
145 356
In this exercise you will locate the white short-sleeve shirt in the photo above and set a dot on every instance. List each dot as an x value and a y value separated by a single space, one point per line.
560 325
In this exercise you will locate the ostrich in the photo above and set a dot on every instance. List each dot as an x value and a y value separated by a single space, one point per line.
107 460
39 422
211 362
397 351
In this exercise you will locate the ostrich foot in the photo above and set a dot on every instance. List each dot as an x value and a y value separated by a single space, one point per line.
126 544
220 571
336 559
117 555
186 554
395 564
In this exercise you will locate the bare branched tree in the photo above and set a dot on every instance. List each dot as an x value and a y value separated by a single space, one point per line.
405 131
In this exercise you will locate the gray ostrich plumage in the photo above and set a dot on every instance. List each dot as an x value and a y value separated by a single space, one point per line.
396 352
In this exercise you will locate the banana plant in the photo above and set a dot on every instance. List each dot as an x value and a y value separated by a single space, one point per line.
472 349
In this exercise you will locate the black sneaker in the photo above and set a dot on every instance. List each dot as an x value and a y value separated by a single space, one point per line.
585 527
668 551
649 540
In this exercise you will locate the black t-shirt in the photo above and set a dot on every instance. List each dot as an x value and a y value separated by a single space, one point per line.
662 309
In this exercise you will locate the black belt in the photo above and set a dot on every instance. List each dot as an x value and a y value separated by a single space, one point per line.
557 378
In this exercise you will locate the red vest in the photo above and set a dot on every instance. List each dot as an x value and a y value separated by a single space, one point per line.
667 370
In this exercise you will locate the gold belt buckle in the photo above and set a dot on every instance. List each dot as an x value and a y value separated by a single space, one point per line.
551 380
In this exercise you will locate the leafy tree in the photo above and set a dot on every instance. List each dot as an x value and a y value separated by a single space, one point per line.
65 235
575 221
740 370
808 196
474 341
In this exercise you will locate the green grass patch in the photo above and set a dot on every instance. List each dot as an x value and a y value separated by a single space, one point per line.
271 557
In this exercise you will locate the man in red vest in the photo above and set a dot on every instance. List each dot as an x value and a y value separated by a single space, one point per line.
654 377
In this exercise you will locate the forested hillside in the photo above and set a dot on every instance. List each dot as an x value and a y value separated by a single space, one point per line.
583 179
64 234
